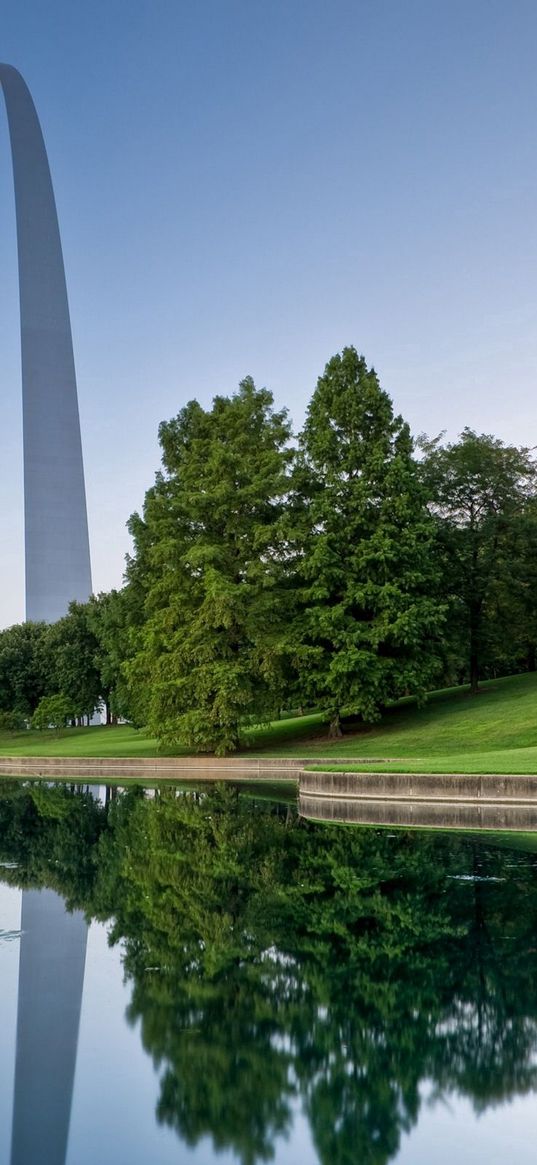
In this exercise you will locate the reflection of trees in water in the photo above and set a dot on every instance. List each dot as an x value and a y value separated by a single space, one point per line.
274 962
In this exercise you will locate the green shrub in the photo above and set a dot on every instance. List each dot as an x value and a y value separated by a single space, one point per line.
12 721
53 712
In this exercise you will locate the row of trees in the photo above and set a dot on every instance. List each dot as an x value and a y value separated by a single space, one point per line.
52 674
339 570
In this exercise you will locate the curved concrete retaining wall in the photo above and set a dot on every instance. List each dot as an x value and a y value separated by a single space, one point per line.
316 789
420 786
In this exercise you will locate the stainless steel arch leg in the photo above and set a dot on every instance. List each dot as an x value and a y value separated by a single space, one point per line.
56 527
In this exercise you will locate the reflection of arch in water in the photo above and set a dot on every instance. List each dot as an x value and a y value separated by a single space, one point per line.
51 979
56 528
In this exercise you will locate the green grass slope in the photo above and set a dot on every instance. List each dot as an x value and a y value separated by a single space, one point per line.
122 740
495 731
117 741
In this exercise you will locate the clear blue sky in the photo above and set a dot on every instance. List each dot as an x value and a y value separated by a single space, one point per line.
246 186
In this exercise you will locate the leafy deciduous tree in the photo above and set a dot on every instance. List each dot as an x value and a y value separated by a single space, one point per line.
73 651
53 712
480 488
24 667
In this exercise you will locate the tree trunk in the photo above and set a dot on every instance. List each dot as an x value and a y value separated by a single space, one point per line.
475 628
532 660
474 671
335 730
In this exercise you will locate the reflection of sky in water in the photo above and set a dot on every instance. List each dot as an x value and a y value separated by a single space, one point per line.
116 1086
450 1131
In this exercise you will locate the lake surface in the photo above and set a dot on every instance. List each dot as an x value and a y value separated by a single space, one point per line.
204 977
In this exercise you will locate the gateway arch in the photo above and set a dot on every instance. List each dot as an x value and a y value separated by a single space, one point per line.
55 519
53 944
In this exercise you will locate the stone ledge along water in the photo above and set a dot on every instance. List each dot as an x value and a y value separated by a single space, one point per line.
483 788
154 768
489 787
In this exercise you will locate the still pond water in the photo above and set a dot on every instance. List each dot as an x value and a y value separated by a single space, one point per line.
203 977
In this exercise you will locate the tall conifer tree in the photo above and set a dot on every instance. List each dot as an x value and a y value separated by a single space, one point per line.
370 614
211 567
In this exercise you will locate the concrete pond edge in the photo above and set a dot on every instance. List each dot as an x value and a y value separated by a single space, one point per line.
317 783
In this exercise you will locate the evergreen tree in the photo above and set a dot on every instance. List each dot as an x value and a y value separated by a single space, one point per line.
371 616
210 564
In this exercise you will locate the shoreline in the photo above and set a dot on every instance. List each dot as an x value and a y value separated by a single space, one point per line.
492 788
429 800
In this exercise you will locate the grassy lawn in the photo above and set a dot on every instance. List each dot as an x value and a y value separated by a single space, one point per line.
117 741
495 731
121 740
523 760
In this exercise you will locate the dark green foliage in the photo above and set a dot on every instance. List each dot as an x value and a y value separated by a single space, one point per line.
372 613
24 667
511 614
210 563
12 721
480 489
109 618
73 651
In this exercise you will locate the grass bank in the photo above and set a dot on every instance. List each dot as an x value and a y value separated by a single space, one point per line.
494 732
280 738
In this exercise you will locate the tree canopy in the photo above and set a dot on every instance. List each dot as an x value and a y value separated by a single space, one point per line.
210 562
479 489
336 572
371 608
